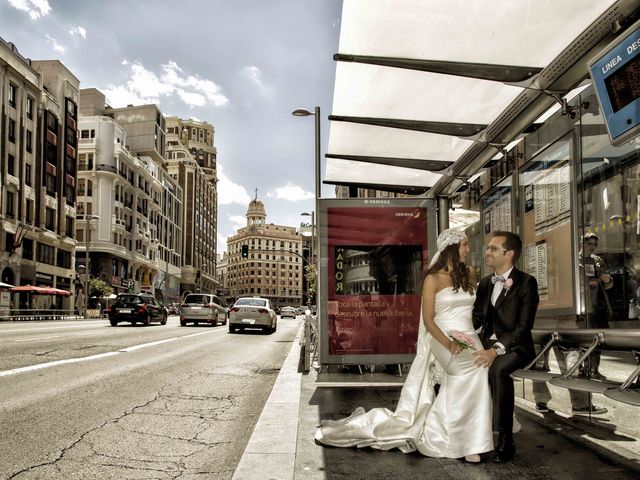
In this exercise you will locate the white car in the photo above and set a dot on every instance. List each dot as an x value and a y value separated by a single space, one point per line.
202 308
252 312
288 312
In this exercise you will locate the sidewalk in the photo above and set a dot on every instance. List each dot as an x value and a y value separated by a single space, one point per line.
283 447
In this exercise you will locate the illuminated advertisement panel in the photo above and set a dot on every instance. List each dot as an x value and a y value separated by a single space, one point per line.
376 251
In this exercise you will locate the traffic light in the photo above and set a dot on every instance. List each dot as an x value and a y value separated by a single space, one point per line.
245 251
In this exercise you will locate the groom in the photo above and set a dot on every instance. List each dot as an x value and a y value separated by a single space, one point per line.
505 308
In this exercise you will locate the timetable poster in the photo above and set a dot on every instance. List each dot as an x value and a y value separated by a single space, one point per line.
546 226
376 261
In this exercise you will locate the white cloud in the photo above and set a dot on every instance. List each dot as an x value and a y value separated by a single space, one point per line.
230 192
239 221
291 192
222 244
79 31
255 75
35 8
56 46
147 87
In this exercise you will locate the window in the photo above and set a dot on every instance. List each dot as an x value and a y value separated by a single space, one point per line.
70 195
28 214
64 259
10 204
11 164
10 238
50 218
46 254
12 94
29 108
71 108
51 184
29 141
27 249
27 174
68 228
12 130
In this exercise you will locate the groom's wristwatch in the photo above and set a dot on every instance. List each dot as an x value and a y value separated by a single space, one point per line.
498 348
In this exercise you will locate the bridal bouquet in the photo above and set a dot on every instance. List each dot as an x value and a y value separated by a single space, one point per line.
462 340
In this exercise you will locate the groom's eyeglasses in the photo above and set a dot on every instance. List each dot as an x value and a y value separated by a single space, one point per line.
493 248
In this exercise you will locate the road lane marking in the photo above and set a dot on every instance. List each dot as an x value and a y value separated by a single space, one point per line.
40 366
46 329
33 339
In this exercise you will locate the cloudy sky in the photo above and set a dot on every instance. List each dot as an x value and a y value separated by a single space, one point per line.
241 65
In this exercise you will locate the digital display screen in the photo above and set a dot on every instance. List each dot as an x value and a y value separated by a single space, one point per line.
623 86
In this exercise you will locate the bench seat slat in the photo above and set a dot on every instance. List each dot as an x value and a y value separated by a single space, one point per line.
583 384
630 396
538 375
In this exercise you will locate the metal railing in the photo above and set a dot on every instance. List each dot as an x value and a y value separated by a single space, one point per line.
35 314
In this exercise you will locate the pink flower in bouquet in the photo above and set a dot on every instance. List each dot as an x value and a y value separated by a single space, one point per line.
508 283
463 340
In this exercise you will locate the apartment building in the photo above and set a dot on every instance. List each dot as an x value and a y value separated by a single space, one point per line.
191 159
273 266
38 132
130 209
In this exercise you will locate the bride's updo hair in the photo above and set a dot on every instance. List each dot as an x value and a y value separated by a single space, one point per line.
448 260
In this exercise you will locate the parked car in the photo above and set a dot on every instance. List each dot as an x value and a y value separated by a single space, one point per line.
252 312
288 312
203 307
136 308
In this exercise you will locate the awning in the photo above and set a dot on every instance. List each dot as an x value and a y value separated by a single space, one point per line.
40 290
426 88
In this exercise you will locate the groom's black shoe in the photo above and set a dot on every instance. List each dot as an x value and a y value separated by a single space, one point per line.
506 449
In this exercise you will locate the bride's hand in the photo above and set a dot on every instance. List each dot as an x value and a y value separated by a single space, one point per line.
453 348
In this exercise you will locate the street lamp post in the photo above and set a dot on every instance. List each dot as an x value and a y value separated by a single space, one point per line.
87 259
303 112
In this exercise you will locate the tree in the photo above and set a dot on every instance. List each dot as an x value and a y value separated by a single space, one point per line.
100 286
312 282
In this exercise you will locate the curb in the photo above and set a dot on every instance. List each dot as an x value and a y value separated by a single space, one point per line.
271 451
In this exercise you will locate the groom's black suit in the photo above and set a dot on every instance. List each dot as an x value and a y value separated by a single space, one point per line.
511 320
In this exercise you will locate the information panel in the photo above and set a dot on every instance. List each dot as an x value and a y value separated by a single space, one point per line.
546 226
374 254
616 76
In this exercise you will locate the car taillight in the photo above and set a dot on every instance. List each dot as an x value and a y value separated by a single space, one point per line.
263 310
234 309
141 308
107 310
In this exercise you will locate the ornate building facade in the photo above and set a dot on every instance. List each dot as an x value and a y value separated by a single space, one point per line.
273 265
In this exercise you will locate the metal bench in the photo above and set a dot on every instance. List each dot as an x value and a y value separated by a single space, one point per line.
540 337
589 340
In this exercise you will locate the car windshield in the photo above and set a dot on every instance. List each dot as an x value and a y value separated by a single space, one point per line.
196 300
128 299
254 302
288 309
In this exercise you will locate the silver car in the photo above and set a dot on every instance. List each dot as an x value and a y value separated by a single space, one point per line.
202 307
252 312
288 312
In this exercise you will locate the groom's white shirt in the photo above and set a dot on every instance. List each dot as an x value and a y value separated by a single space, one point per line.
498 286
497 289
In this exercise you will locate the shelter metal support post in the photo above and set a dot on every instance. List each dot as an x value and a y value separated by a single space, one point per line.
443 213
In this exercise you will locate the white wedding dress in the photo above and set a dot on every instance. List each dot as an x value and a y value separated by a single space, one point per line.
453 424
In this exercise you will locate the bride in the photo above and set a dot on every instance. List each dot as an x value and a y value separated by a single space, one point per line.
457 422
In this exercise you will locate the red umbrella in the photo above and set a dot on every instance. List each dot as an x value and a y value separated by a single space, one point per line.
40 290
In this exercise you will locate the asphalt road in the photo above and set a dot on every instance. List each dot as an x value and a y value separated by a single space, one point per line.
85 400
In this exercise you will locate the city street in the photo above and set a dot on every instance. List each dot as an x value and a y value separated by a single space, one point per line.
182 403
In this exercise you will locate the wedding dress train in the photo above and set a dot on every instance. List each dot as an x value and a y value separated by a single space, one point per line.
453 424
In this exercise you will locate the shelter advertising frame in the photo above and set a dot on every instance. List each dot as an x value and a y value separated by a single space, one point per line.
373 253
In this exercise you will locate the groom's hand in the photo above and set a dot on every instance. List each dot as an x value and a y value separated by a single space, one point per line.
484 358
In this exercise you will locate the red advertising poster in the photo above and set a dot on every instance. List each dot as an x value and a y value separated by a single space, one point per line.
376 257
